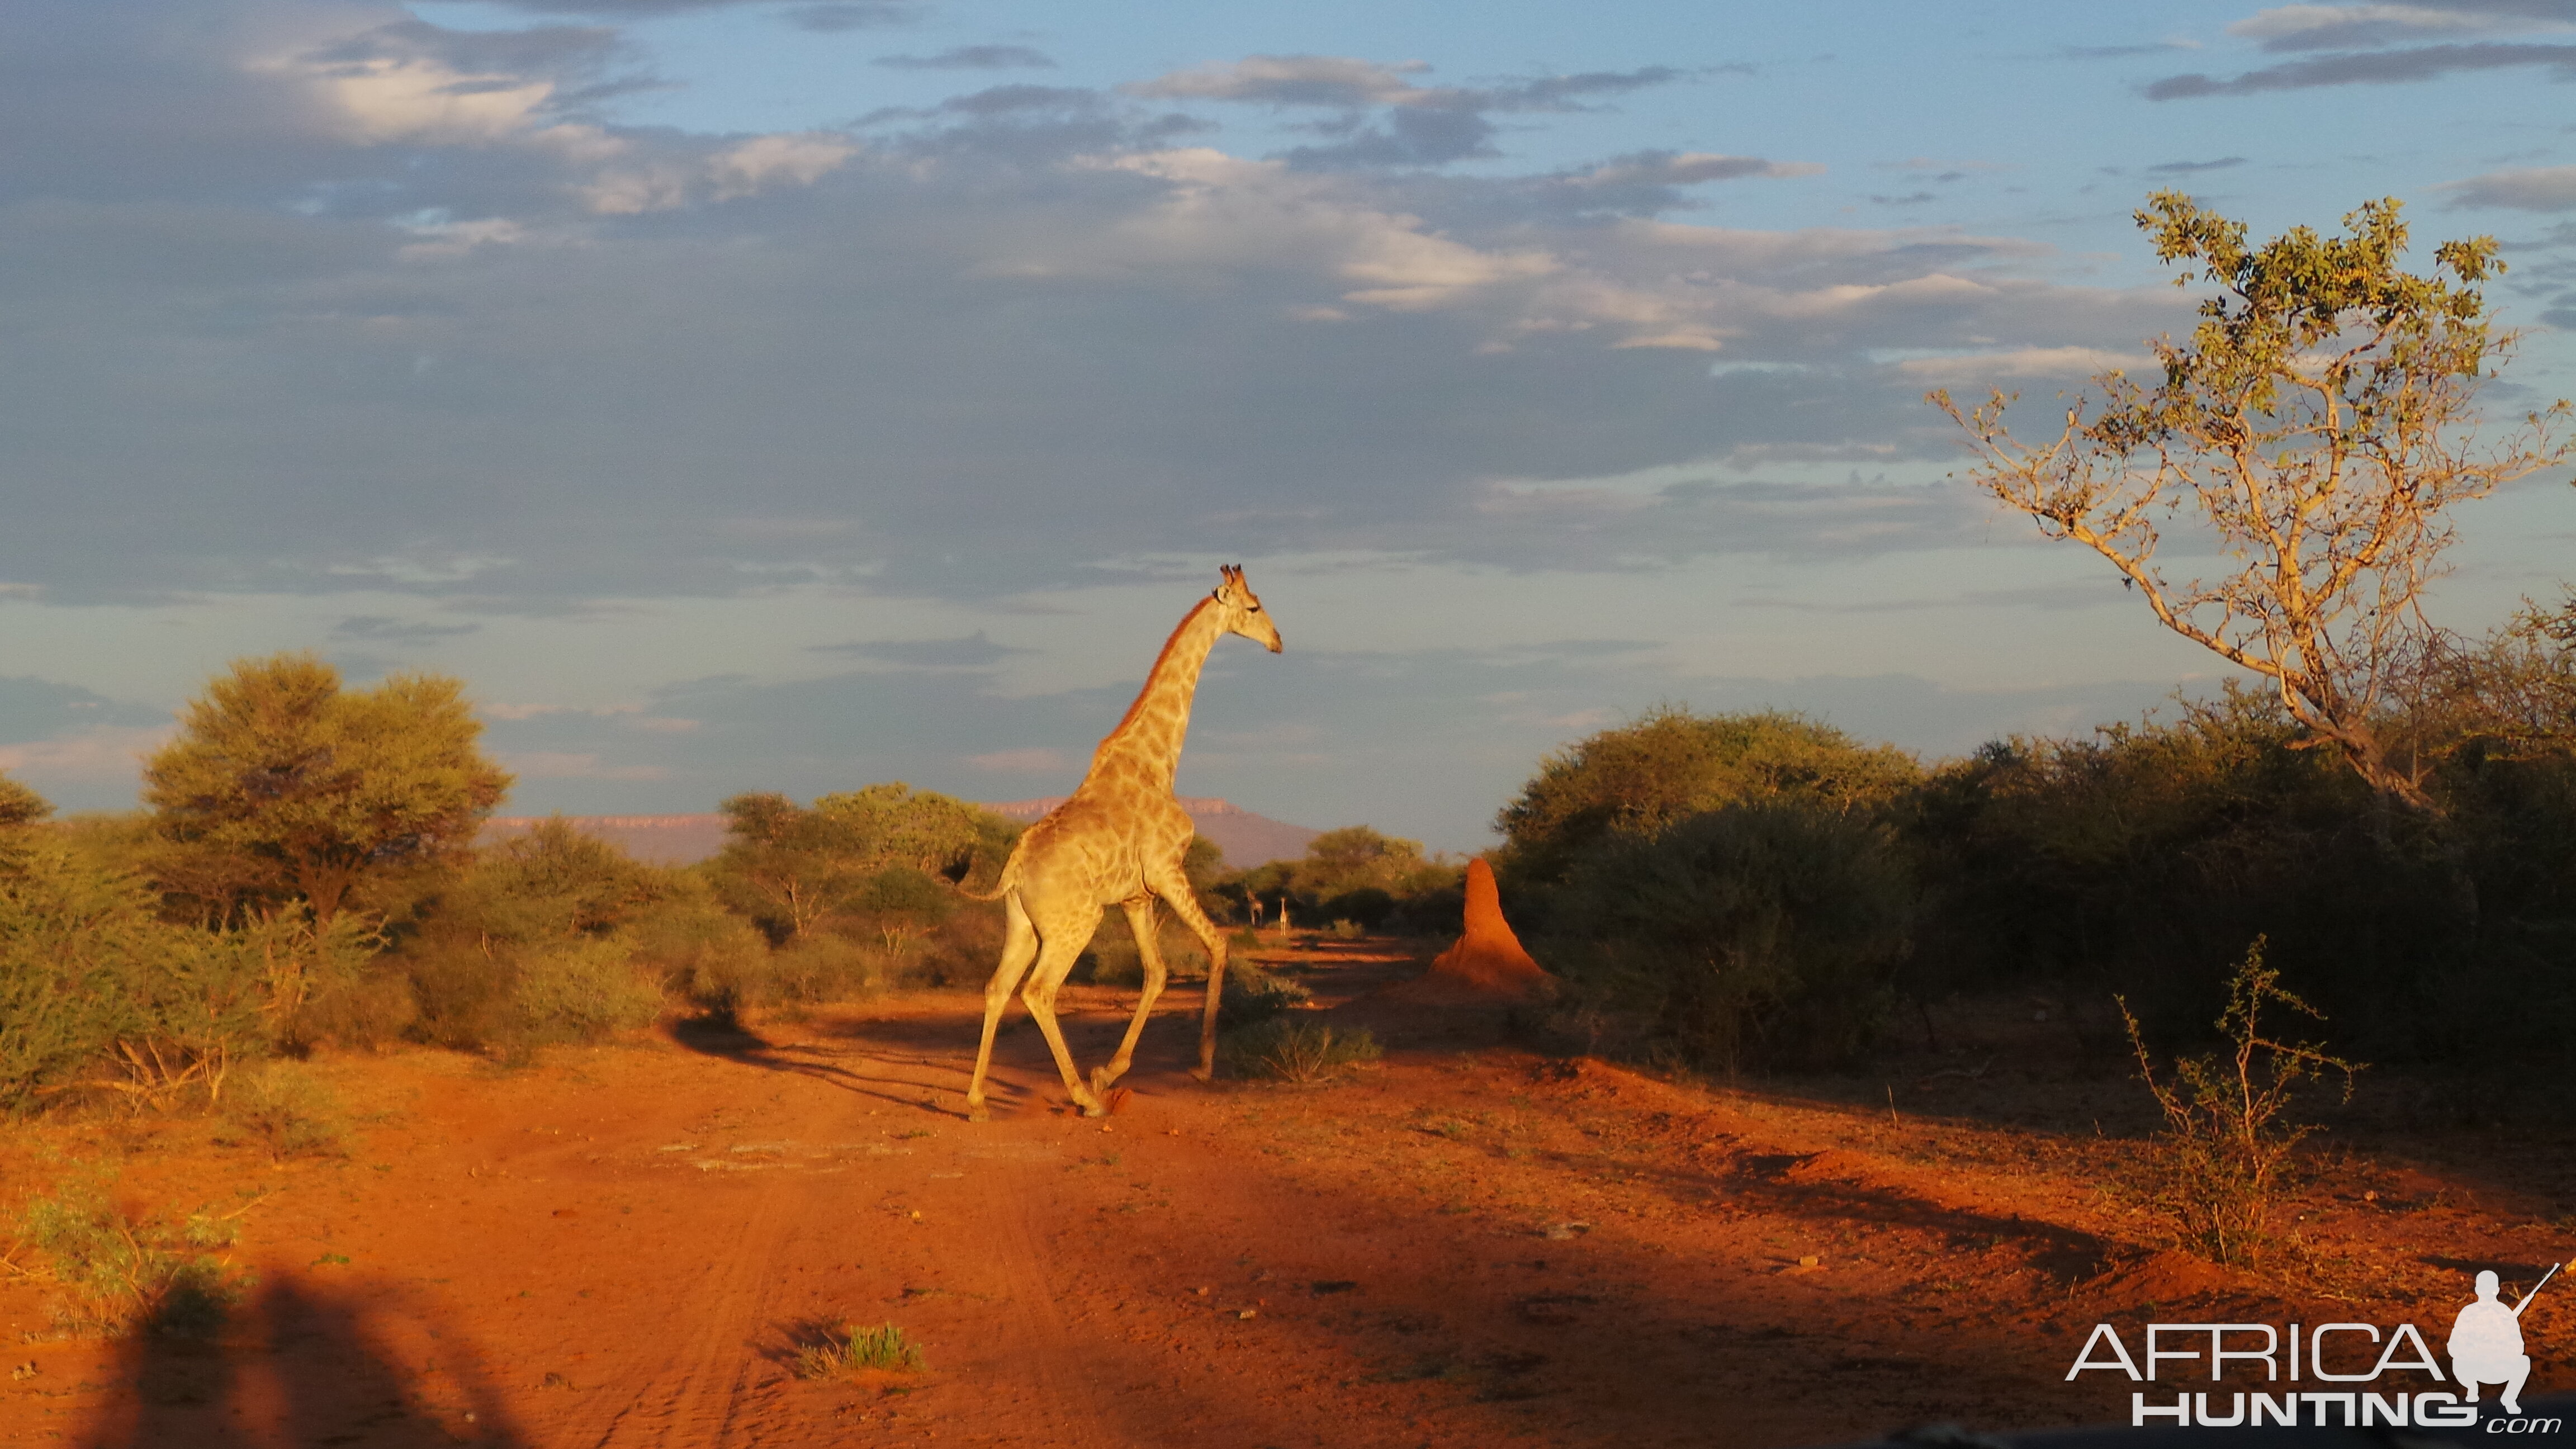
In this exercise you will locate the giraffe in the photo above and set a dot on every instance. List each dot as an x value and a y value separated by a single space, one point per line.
1117 841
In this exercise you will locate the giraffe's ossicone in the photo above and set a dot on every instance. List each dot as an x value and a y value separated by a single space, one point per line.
1119 840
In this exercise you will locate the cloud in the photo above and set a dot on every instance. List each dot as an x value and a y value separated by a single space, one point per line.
836 16
975 651
1293 80
1646 183
34 709
413 81
841 14
1416 125
2538 188
2123 52
765 161
2354 27
978 350
971 57
1039 761
2022 362
382 629
573 765
2185 168
2371 68
102 753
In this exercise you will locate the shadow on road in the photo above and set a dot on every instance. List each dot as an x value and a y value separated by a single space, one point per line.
301 1365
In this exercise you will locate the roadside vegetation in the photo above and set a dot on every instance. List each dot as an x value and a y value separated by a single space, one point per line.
2380 830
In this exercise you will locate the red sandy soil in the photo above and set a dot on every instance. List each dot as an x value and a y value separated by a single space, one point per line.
1469 1244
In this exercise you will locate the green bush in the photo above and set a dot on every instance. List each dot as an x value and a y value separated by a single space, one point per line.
1643 778
2138 861
1297 1050
1113 960
702 953
823 968
1252 996
95 986
124 1275
581 991
287 1109
1353 874
554 936
1760 935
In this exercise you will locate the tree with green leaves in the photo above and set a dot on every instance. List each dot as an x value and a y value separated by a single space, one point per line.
20 805
1639 778
872 850
2317 427
281 783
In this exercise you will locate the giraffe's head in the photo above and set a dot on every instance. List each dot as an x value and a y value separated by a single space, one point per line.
1243 611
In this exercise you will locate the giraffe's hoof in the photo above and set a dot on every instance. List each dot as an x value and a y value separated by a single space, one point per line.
1094 1109
978 1112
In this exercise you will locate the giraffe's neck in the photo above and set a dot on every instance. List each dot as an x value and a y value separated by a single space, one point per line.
1145 750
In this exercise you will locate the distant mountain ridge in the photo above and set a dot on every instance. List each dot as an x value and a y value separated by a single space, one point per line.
1246 838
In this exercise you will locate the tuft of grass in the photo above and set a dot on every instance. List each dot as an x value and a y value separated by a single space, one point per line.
1296 1051
1346 930
288 1110
850 1349
125 1275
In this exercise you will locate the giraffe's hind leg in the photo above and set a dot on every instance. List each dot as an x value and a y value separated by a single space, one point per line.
1019 948
1149 950
1061 938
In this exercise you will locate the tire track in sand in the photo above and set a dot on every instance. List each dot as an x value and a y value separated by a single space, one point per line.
691 1398
1045 1371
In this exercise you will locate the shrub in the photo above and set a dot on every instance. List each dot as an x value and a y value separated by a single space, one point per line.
1641 779
821 968
288 1109
1113 960
1366 908
702 953
1296 1050
1252 996
124 1275
92 977
2226 1143
581 991
554 936
1759 935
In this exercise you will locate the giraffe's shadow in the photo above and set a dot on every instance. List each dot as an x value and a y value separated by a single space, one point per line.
922 1062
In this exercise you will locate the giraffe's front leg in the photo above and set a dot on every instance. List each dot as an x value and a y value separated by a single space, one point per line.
1019 948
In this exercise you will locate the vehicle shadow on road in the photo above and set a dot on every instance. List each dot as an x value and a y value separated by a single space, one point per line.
300 1364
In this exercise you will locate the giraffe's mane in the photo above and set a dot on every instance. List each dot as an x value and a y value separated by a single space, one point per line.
1147 687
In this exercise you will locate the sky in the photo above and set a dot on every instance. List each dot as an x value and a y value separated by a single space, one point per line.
789 396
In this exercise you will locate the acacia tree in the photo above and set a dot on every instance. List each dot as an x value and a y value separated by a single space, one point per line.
279 773
2317 427
872 849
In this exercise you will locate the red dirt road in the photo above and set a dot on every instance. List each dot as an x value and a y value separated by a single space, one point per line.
1467 1245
